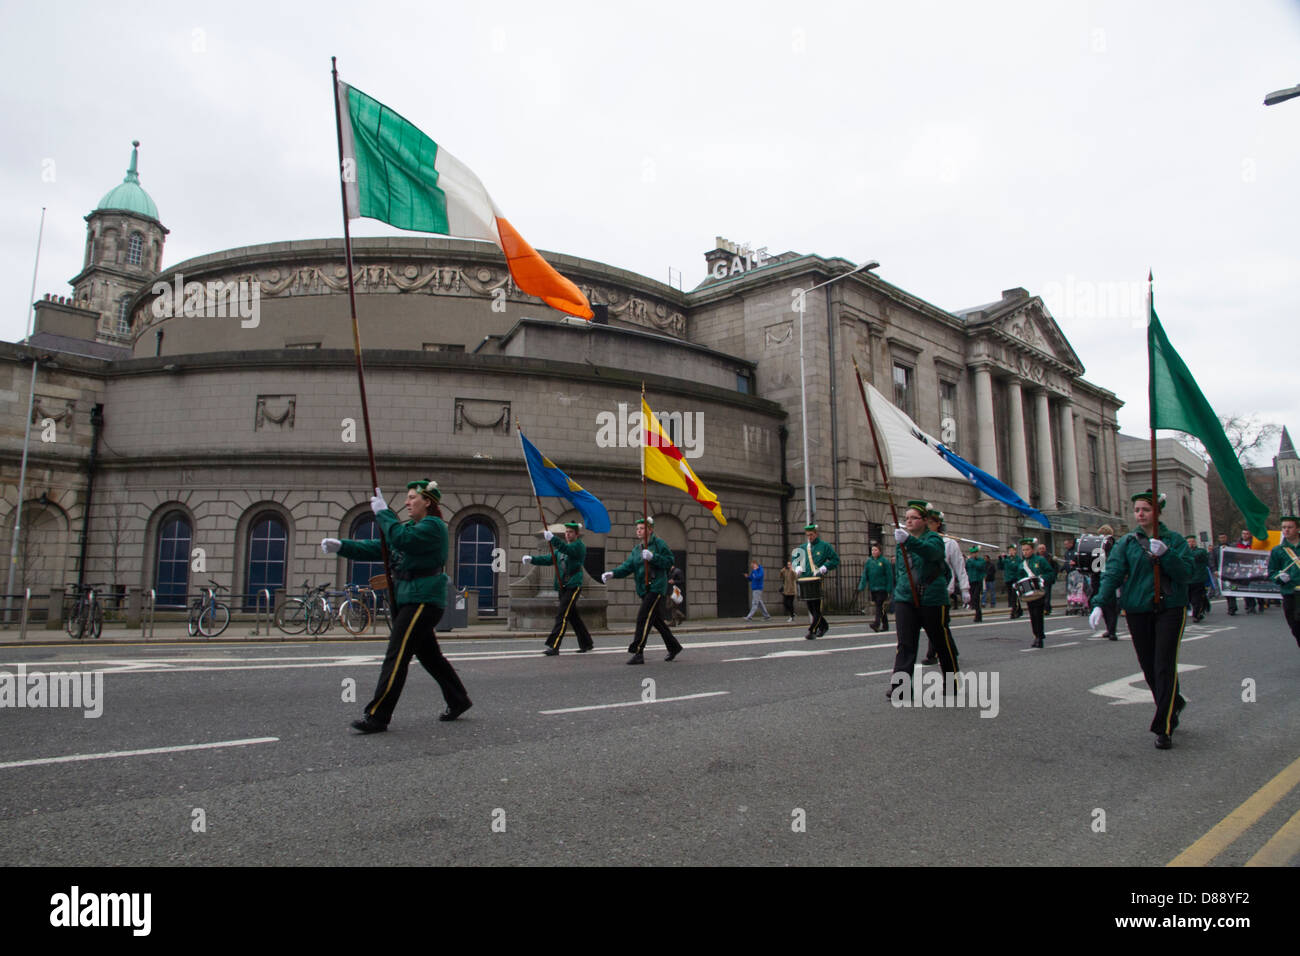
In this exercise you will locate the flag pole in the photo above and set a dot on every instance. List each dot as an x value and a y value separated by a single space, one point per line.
356 332
540 512
1151 418
884 475
645 501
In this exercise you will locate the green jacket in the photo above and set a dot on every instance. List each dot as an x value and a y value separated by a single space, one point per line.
1035 564
1048 568
877 575
419 552
822 554
928 566
1129 566
568 569
1008 567
660 561
976 569
1279 561
1201 561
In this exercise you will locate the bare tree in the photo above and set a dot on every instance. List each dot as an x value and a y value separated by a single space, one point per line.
1251 439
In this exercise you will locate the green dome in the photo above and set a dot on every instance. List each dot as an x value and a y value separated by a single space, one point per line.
128 196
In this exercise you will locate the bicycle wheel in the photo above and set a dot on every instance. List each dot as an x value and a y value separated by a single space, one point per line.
319 617
76 622
213 620
292 616
354 615
96 620
195 610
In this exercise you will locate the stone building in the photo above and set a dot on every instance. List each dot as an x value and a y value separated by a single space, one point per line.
211 417
1181 474
1287 467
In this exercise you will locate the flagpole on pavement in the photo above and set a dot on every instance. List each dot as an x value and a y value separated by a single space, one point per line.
356 332
884 476
540 512
1151 418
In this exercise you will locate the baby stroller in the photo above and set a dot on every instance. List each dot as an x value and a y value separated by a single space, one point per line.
1078 592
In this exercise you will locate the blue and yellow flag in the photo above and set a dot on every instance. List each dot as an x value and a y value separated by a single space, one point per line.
550 482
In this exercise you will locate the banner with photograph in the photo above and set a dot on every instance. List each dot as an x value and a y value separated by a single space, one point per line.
1244 573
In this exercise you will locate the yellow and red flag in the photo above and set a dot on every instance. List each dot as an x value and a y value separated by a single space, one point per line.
663 462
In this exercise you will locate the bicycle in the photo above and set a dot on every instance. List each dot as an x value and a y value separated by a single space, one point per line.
296 614
87 613
351 612
208 616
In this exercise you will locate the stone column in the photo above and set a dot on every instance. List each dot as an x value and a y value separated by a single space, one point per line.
1043 438
988 445
1016 439
1069 456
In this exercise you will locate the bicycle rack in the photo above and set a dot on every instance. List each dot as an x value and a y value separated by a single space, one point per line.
146 620
257 612
22 627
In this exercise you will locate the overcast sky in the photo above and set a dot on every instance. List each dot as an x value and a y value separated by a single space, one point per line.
971 148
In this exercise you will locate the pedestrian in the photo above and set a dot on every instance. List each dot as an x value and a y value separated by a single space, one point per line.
958 583
789 588
418 548
1216 559
755 578
1246 540
676 608
1284 568
570 554
1196 602
1155 621
649 557
878 581
815 557
990 584
976 569
924 548
1033 566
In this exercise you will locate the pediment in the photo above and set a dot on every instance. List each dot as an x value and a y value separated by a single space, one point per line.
1032 327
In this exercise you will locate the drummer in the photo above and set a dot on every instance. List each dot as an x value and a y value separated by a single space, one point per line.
1032 566
816 558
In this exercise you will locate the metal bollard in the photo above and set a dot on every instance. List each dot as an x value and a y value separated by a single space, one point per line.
22 628
146 620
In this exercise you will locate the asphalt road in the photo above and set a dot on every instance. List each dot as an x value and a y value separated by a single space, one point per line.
759 748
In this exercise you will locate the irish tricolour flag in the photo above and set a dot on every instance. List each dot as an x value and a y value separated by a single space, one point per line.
394 173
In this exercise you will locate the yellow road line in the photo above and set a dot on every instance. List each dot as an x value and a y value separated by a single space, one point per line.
1280 850
1240 820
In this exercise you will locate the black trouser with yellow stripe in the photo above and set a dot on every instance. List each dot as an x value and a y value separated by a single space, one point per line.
908 621
566 615
1292 615
1156 636
651 615
413 635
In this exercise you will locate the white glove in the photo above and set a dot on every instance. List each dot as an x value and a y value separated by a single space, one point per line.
823 569
604 578
527 559
548 534
1284 577
646 554
1158 547
900 535
377 502
1094 619
965 598
330 545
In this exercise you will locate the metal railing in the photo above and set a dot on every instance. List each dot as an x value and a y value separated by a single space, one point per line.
263 599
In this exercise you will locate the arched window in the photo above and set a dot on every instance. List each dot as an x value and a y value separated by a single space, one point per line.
134 249
124 315
172 575
268 546
365 528
475 542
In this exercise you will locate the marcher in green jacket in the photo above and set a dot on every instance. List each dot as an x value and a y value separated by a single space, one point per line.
570 554
1155 623
878 580
418 550
1284 568
1197 603
976 569
649 552
924 549
1033 565
815 557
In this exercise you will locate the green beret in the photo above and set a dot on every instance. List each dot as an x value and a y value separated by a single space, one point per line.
1289 518
426 487
974 548
921 506
646 520
936 514
575 525
1029 541
810 527
1146 496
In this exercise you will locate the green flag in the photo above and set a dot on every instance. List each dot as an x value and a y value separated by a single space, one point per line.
1176 402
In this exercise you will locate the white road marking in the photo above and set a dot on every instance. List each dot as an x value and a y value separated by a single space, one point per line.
1125 693
810 653
1060 630
634 703
139 753
887 670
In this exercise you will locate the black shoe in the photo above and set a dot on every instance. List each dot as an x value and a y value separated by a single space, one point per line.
451 713
1164 742
1198 619
875 627
821 631
930 659
672 654
583 650
551 651
1037 643
979 620
637 658
368 725
1111 637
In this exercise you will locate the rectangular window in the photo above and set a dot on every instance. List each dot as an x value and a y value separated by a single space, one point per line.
903 397
948 414
1094 470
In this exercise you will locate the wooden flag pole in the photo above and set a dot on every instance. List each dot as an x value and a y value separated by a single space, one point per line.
880 460
1151 416
540 512
645 500
356 332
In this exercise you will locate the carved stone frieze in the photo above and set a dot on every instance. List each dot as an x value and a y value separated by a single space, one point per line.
275 410
475 414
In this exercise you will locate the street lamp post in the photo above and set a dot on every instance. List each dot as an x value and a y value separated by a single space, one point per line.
800 301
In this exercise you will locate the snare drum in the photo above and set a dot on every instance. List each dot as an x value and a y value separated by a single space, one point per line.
810 588
1031 588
